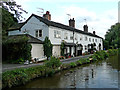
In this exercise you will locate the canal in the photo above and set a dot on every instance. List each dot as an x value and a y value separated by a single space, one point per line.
100 74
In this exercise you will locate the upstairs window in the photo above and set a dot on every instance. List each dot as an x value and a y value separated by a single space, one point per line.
90 39
57 34
71 37
65 35
93 40
85 38
38 33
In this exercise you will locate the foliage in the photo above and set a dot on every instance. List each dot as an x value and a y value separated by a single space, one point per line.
17 50
112 52
7 21
112 37
47 47
23 75
62 48
79 62
53 63
14 8
99 55
73 64
119 50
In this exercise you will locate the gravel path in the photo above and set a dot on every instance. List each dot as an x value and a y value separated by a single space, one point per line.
6 67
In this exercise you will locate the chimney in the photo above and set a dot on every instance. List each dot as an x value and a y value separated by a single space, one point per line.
94 32
85 27
47 15
72 22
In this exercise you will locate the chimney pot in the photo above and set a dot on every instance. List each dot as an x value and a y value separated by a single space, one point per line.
85 27
94 32
72 22
47 15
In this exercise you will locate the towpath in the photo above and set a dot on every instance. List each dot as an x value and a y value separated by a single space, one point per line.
6 67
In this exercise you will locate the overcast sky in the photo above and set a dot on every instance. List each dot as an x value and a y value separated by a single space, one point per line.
99 14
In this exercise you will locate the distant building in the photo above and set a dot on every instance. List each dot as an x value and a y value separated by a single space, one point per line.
76 41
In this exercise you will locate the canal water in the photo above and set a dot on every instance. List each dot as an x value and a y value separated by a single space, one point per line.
100 74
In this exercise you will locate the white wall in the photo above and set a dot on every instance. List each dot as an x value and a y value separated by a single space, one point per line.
57 41
37 51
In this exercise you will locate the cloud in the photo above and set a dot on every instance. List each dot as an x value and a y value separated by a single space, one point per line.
96 22
58 1
100 22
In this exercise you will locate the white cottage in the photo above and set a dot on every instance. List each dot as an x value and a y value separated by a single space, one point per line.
76 41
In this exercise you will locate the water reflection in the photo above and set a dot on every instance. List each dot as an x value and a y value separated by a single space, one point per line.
102 74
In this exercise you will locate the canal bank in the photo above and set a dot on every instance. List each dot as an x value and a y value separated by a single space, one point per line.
102 74
21 76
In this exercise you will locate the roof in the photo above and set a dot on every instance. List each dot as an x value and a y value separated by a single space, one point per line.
56 24
31 38
16 26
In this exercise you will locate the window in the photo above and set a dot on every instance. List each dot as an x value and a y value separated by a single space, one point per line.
71 37
80 38
57 34
93 40
39 33
100 40
65 35
90 39
85 38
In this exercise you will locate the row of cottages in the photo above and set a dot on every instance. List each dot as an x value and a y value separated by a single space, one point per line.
76 41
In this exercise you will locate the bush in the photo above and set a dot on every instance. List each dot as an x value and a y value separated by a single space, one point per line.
16 48
79 62
73 64
112 52
53 63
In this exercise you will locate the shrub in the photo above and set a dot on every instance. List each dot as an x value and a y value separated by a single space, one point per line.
73 64
112 52
53 63
79 62
15 48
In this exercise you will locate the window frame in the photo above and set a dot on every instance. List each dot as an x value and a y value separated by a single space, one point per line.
39 33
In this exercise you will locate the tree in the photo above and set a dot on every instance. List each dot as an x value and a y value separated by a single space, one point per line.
112 37
14 8
62 48
11 14
8 20
47 47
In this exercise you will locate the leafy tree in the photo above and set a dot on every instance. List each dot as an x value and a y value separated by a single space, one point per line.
47 47
14 8
112 37
8 20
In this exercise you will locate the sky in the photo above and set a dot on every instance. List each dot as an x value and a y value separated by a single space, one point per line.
99 14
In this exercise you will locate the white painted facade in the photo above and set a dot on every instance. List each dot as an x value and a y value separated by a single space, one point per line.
34 24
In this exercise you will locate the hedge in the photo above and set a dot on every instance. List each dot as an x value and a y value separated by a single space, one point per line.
16 49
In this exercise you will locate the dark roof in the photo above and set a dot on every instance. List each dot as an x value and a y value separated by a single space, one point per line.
59 25
16 26
31 38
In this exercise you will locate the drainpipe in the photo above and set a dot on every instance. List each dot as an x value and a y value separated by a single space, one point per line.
73 43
